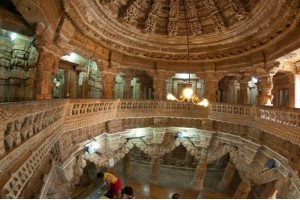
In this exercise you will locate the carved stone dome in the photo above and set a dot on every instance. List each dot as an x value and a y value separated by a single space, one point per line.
155 29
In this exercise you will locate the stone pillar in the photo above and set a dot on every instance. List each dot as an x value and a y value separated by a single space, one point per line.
126 164
199 177
47 65
211 79
271 190
127 87
201 169
159 83
244 91
230 92
243 190
143 88
70 83
227 176
154 165
108 81
265 86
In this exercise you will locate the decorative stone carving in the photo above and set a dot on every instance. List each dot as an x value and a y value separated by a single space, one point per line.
173 28
86 117
131 13
150 24
196 27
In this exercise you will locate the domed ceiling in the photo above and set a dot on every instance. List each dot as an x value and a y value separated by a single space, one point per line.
156 29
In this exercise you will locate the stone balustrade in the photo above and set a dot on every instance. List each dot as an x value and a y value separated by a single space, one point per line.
23 120
35 126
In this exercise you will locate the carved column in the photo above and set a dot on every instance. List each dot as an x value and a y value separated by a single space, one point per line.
70 83
126 165
154 165
201 169
199 177
47 65
243 190
244 90
265 86
227 177
159 83
230 91
127 87
211 79
108 81
142 88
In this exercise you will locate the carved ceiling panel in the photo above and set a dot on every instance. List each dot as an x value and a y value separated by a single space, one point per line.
219 30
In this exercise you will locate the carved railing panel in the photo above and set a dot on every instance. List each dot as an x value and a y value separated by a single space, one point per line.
141 108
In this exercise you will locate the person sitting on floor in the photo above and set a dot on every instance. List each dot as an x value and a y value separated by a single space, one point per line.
176 196
127 193
114 184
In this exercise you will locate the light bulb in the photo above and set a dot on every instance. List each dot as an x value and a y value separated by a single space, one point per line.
171 97
188 93
205 102
254 80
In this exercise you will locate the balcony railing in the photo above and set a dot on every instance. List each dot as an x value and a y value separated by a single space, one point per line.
28 130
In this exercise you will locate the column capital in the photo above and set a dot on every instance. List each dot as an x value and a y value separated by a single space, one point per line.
265 69
243 78
161 74
211 75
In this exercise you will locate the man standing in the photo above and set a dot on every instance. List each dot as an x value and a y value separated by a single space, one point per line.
114 184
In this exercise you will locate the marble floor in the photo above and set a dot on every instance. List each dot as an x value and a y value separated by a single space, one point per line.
171 181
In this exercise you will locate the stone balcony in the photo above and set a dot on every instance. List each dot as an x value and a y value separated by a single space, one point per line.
29 130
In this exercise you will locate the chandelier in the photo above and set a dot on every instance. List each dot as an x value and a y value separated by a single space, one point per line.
188 93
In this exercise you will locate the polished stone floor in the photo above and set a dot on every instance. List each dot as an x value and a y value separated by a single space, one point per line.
171 181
